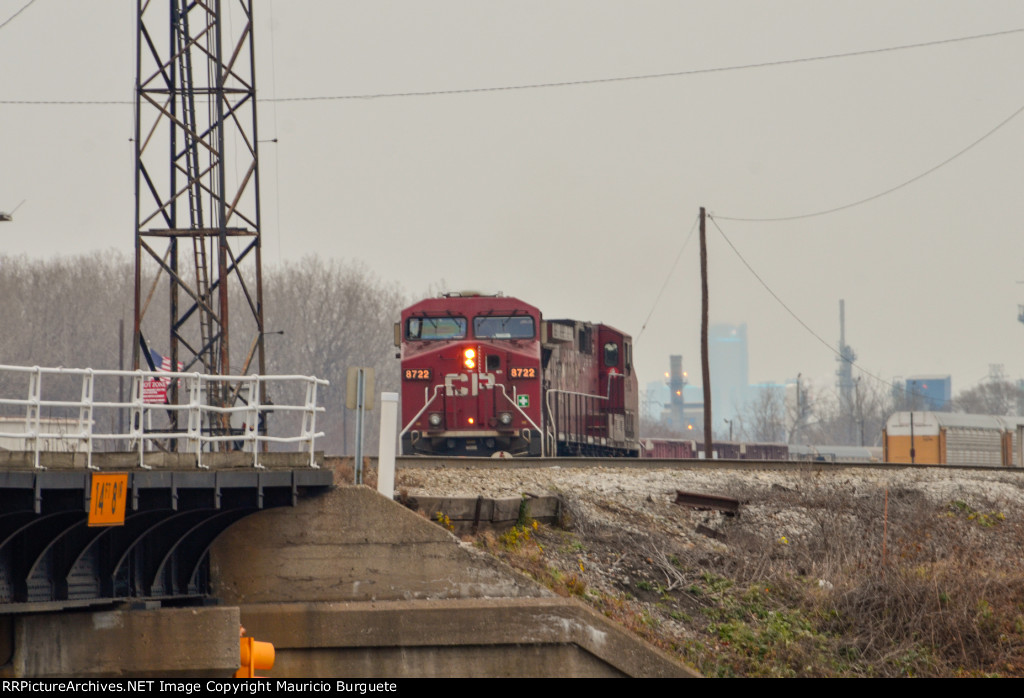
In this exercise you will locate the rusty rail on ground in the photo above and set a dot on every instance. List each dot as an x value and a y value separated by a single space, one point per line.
717 502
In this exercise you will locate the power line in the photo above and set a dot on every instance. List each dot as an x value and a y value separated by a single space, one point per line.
789 310
577 83
769 289
11 18
68 102
890 190
658 76
663 285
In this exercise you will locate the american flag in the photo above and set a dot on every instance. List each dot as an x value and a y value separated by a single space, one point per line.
154 391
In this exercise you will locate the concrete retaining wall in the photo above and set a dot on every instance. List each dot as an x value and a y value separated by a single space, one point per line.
351 544
166 643
351 584
347 584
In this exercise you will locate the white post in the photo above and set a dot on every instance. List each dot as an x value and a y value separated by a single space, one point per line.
388 444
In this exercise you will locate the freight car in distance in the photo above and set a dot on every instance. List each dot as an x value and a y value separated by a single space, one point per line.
688 449
950 438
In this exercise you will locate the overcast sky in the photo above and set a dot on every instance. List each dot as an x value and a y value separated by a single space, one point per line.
579 198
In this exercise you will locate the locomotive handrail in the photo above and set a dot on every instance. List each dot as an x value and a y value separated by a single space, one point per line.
525 416
422 409
552 414
596 397
518 408
81 433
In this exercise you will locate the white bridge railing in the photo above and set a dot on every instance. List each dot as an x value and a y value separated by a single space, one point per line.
202 428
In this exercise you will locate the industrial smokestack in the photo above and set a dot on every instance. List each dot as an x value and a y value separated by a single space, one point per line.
676 382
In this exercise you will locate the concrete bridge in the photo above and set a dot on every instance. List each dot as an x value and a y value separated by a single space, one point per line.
346 583
146 563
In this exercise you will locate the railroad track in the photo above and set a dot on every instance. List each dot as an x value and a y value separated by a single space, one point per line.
456 463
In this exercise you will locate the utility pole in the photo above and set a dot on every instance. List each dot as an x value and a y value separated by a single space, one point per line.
705 365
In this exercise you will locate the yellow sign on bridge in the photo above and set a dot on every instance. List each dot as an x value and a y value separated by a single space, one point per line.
109 499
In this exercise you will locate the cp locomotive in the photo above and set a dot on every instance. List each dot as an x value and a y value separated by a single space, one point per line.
488 375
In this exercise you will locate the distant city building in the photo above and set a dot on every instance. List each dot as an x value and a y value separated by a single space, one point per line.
727 349
930 392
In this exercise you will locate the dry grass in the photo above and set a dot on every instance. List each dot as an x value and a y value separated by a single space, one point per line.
813 581
344 470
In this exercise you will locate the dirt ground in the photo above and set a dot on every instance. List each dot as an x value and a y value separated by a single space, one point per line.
834 572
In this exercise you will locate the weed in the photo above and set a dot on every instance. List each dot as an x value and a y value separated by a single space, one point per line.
524 519
716 583
515 537
575 586
989 520
444 521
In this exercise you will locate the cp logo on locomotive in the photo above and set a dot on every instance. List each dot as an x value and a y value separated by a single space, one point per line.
476 382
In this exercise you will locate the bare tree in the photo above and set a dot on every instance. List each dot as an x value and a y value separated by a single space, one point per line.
323 317
858 425
991 397
764 417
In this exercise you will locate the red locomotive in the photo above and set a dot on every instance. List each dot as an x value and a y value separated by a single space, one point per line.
487 375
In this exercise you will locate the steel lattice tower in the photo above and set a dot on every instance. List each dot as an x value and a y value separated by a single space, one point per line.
197 203
847 389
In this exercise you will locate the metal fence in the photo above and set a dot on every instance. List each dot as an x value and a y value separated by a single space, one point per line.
199 428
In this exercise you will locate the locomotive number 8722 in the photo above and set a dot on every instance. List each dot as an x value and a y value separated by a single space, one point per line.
487 375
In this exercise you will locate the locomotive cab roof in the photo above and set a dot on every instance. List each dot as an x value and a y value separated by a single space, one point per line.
470 294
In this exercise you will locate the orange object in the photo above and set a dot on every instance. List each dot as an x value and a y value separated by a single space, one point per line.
254 655
108 500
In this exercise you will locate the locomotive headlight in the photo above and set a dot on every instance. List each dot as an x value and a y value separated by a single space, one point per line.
434 419
469 358
505 418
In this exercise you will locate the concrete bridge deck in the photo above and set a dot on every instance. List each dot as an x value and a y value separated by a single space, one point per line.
347 583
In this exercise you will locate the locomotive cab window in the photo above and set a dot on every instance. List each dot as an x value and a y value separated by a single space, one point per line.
503 327
586 340
432 328
611 354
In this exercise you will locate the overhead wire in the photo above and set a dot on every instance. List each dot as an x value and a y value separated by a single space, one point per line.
656 76
890 190
789 310
11 18
582 82
671 271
